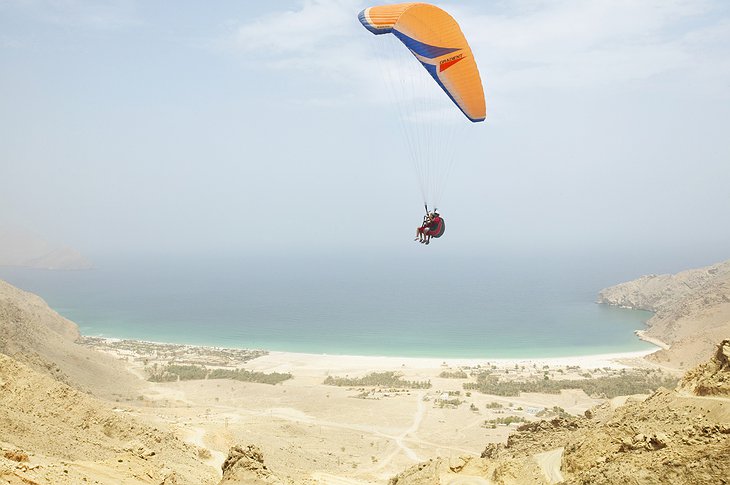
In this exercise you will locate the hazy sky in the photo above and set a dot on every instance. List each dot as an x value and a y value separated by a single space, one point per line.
230 125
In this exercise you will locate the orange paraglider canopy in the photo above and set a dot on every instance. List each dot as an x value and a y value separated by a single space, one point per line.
436 40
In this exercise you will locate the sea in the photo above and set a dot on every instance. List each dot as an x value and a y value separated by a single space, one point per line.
405 305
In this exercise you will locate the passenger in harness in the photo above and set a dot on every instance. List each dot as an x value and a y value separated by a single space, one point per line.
433 226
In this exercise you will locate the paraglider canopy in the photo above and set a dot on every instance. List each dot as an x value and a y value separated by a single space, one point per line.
436 40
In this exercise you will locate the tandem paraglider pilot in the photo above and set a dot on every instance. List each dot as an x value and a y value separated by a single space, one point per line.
434 38
433 226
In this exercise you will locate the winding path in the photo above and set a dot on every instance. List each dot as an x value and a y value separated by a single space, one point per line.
195 436
549 462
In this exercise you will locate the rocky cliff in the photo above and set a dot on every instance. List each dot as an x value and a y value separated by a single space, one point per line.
692 311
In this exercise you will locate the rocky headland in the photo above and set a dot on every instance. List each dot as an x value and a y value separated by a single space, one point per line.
691 311
22 248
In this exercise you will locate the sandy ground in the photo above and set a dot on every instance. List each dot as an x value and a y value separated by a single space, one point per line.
334 435
317 364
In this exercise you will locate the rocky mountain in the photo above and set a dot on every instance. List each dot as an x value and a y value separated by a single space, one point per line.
34 334
19 247
692 311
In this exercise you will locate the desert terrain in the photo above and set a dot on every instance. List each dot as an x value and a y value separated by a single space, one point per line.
355 433
77 409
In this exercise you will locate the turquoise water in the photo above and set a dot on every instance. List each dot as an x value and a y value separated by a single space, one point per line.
405 306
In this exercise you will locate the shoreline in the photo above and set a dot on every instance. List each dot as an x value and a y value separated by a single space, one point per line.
652 340
285 361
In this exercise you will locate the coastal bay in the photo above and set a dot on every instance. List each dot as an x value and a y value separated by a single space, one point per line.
476 308
313 417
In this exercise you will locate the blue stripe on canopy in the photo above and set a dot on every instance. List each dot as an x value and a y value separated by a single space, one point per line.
423 50
371 28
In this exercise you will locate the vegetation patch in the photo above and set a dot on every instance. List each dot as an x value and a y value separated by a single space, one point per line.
459 374
638 381
555 411
449 403
174 372
504 421
388 379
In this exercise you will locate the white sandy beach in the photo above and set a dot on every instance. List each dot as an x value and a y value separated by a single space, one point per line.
301 362
323 363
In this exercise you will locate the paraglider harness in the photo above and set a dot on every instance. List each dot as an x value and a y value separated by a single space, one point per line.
439 230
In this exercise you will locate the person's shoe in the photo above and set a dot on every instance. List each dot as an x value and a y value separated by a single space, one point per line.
428 242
